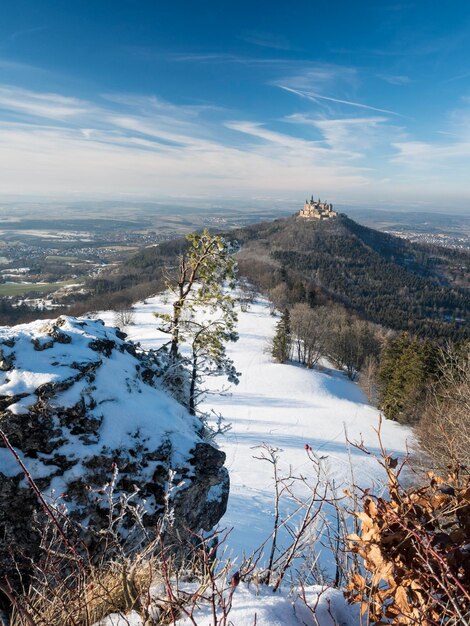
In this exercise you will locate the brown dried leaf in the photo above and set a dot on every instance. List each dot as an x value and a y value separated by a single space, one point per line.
370 508
401 599
358 581
375 557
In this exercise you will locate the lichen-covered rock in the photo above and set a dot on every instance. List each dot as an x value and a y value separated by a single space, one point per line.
79 403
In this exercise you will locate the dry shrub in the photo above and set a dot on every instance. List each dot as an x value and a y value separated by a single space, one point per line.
415 547
444 429
68 588
82 598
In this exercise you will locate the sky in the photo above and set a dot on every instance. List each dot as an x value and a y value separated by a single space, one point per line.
360 102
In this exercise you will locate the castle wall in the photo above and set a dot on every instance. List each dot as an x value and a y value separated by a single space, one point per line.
317 210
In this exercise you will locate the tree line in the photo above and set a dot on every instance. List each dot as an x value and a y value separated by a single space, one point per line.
384 279
307 334
418 382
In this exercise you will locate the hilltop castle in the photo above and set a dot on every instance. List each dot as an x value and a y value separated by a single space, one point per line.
317 210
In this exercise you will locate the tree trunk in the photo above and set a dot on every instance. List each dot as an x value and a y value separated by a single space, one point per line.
175 322
192 388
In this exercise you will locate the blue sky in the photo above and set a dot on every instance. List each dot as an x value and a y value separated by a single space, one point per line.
359 102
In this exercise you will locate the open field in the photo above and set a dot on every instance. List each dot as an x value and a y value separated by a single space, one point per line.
24 288
63 259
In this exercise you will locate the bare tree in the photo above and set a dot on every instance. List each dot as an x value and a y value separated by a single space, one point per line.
350 342
279 297
124 317
444 429
309 331
247 295
368 375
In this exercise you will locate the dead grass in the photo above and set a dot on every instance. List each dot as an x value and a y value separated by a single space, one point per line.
84 598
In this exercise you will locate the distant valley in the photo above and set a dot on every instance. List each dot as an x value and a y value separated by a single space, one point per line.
70 262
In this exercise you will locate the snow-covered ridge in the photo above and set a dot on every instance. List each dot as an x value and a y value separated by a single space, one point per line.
76 400
84 362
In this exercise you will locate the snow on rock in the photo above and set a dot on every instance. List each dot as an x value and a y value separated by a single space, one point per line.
76 401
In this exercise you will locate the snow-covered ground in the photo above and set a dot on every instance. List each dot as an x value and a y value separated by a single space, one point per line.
259 606
285 406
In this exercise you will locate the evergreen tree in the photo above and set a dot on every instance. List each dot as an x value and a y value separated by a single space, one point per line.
281 347
203 272
407 367
203 313
208 350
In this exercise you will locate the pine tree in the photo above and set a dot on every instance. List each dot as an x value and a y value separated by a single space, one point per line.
209 338
203 313
203 272
281 347
407 367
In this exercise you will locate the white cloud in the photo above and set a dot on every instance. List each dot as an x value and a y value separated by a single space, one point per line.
319 76
146 147
53 160
353 135
266 40
450 151
395 79
47 105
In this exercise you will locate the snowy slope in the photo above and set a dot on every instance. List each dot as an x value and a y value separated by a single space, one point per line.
285 406
81 405
118 399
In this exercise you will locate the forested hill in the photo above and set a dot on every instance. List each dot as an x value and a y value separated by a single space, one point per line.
391 281
388 280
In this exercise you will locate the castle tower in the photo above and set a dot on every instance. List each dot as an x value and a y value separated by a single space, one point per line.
317 210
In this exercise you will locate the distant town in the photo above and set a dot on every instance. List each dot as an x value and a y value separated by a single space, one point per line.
461 242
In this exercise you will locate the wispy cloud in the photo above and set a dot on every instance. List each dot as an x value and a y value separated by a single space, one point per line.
456 78
47 105
395 79
450 151
315 97
53 144
26 31
354 136
266 40
319 76
142 146
212 58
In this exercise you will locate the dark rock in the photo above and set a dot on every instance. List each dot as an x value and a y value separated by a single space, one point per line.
6 362
105 346
42 344
6 401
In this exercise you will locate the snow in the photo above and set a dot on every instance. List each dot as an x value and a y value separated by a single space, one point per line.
252 605
124 405
318 606
117 619
282 405
285 406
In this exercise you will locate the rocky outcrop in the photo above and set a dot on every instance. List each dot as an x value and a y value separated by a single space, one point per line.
84 408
